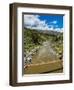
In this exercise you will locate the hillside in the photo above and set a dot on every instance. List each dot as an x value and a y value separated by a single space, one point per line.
34 38
41 48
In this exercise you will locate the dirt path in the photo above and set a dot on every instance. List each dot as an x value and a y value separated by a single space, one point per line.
44 54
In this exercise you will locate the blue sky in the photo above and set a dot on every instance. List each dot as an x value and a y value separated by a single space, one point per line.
55 20
44 22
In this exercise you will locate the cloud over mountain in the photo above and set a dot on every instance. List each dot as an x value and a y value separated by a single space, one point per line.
34 22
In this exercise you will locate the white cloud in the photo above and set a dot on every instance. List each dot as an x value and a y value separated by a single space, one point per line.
30 20
51 27
33 21
59 29
62 30
54 22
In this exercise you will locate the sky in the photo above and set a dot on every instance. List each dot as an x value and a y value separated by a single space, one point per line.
44 22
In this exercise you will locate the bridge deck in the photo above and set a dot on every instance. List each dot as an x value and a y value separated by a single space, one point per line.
52 66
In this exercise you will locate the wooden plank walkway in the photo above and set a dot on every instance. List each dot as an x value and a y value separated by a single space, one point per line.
43 67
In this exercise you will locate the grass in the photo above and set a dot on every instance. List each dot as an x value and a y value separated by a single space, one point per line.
33 38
